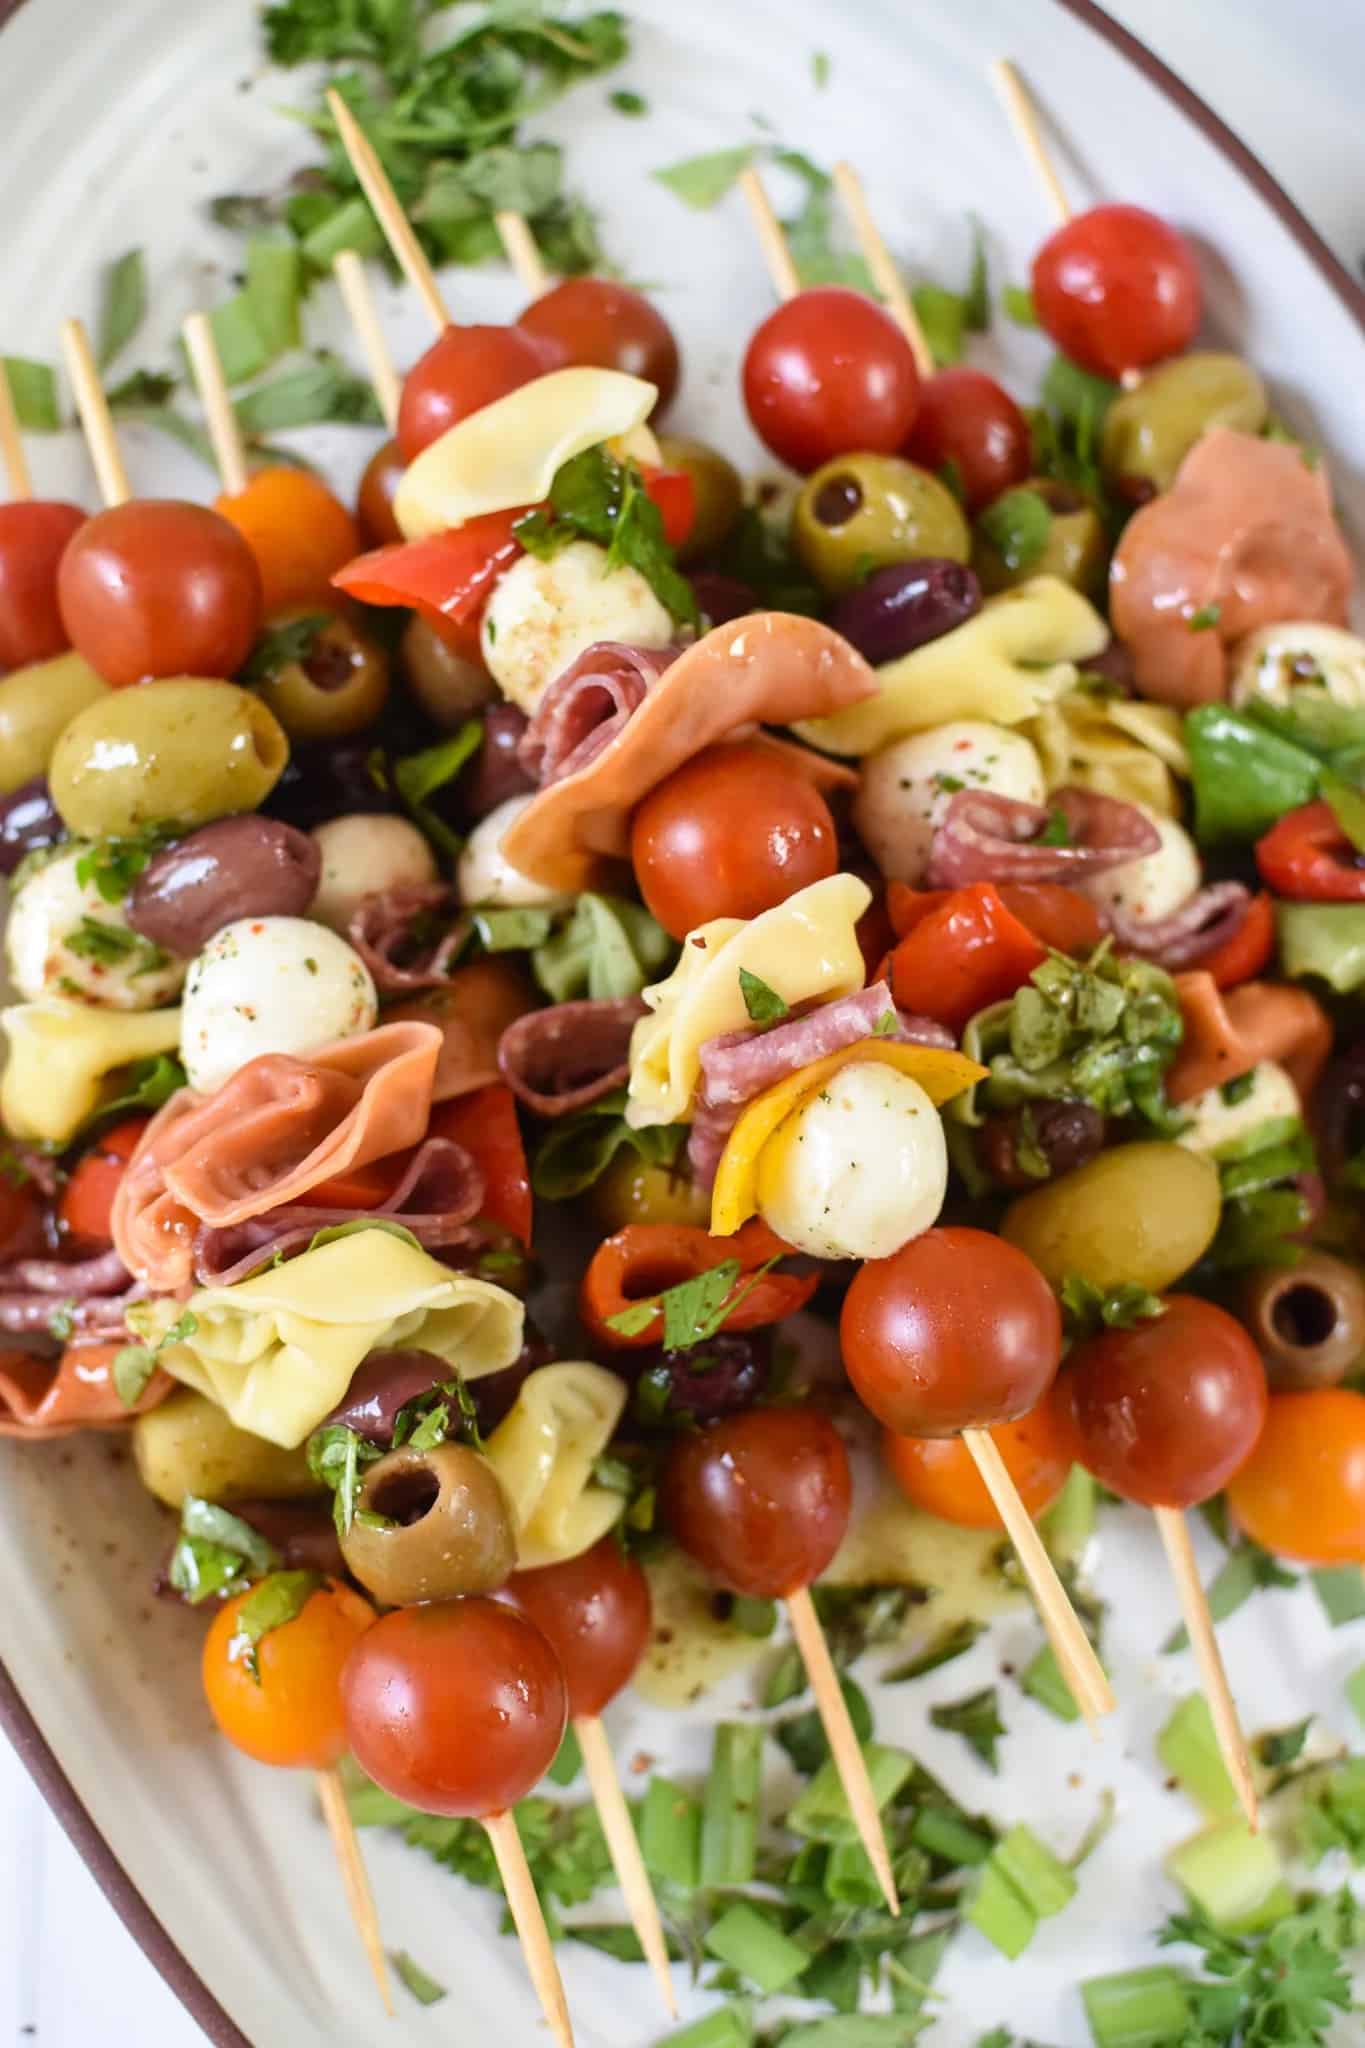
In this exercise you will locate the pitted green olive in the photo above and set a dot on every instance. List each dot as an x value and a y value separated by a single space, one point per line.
183 750
635 1190
717 488
1150 430
864 512
445 1529
35 704
1141 1213
449 687
329 686
1075 549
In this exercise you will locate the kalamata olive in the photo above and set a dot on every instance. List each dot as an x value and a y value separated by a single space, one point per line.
727 1373
723 598
494 774
237 867
381 1385
447 1527
904 606
495 1394
1065 1133
1115 664
323 782
1339 1111
1308 1321
303 1531
449 686
28 821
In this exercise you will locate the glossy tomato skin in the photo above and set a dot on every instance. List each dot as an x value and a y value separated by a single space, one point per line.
1117 288
374 502
1168 1410
33 537
938 1474
466 368
596 321
293 1717
957 1330
158 587
457 1707
761 1501
829 373
732 832
967 419
595 1613
1301 1493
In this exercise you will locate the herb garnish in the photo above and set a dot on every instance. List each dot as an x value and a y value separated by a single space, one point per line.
1087 1309
976 1719
764 1004
598 498
33 390
216 1552
579 1149
279 1599
695 1309
113 865
1017 525
135 1363
114 945
1205 618
414 1978
123 304
293 640
339 1457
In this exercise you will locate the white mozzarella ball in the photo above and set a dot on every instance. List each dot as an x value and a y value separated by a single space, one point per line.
1274 661
270 984
362 855
1152 887
543 614
62 938
1217 1125
858 1169
485 876
906 788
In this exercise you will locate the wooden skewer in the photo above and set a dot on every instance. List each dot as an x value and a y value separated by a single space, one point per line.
354 1877
1019 105
96 420
624 1847
877 257
1071 1646
15 461
530 1924
842 1736
519 247
771 239
351 276
229 449
1232 1744
397 228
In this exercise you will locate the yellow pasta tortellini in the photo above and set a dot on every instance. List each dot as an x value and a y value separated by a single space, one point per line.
1020 652
60 1055
1110 744
805 947
544 1450
278 1351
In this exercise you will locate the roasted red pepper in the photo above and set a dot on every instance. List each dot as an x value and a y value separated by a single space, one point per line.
645 1259
485 1123
673 492
1309 858
1242 957
968 951
448 577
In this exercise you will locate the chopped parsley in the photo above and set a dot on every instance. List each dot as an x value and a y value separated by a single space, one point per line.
598 498
1205 618
276 1601
764 1004
135 1363
695 1309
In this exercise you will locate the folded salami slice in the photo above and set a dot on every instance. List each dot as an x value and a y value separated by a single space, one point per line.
562 1059
585 708
990 838
1212 915
410 937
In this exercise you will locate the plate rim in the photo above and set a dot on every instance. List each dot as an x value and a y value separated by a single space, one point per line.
17 1720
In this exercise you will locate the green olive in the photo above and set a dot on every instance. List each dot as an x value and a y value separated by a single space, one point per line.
1141 1213
35 704
717 488
1150 430
1308 1321
182 750
446 1529
863 512
187 1445
333 686
1075 550
634 1190
449 686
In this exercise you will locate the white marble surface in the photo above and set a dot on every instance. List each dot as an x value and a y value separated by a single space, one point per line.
1287 79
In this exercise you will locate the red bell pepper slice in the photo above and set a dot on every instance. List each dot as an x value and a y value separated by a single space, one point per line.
448 577
675 495
1309 858
967 952
485 1123
1242 957
1062 918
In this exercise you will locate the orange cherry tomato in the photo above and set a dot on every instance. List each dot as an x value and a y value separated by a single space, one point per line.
294 1716
1302 1490
88 1197
1243 956
646 1258
299 533
939 1475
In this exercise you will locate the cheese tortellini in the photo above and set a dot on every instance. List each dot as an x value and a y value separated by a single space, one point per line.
61 1055
1276 660
63 938
1113 745
544 1450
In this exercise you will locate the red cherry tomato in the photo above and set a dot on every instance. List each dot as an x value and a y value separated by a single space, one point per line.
160 588
1302 1490
374 502
292 1714
1117 288
33 537
956 1330
457 1707
1168 1410
485 1123
938 1473
593 320
761 1500
594 1611
732 832
829 373
87 1203
967 419
466 368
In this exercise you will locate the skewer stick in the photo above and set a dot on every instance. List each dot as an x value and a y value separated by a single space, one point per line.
397 228
1232 1746
843 1740
1023 114
877 257
351 1863
1071 1646
96 421
12 456
530 1924
519 247
229 450
363 314
624 1847
771 239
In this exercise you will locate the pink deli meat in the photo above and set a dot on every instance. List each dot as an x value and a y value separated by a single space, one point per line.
565 1058
585 709
989 838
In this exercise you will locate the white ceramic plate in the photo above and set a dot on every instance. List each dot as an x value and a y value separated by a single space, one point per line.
220 1867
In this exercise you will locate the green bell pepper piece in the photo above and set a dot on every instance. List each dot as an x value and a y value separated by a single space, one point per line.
1326 939
1244 777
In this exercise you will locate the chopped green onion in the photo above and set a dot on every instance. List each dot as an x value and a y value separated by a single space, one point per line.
424 1989
1006 1919
849 1877
1233 1876
948 1644
1355 1692
755 1946
670 1833
729 1820
1042 1680
1137 2008
852 2030
1188 1747
822 1811
1068 1525
730 2027
1043 1882
948 1837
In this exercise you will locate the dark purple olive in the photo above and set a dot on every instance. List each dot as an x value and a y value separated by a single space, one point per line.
1063 1135
494 773
495 1394
1338 1111
726 1373
382 1384
329 781
236 867
905 606
1115 664
28 821
722 598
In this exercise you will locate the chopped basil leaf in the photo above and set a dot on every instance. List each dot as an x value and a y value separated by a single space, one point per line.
135 1363
1017 525
579 1149
512 931
414 1978
1088 1309
418 777
1280 1746
113 865
942 315
62 1322
1056 832
337 1456
978 294
949 1644
216 1552
703 181
33 389
145 1085
976 1719
1233 1092
595 497
887 1025
764 1004
123 305
1208 615
694 1310
1017 302
607 947
625 102
318 393
291 641
272 1604
114 945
